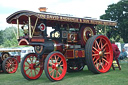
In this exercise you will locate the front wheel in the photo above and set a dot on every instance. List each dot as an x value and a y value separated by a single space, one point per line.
55 66
99 54
10 65
31 67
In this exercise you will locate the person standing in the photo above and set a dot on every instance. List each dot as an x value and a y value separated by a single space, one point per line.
116 53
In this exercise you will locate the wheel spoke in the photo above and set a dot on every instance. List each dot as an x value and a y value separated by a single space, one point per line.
100 42
27 69
58 73
35 72
61 69
107 53
27 62
95 54
26 65
102 66
105 60
95 49
51 71
53 74
96 60
103 46
60 62
55 58
97 44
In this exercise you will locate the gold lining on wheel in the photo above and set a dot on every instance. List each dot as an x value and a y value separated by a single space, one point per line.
84 33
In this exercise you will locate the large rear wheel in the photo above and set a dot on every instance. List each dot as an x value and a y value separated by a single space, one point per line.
31 68
10 65
55 66
99 54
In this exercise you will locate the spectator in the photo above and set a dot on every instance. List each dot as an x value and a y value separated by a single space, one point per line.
116 51
122 55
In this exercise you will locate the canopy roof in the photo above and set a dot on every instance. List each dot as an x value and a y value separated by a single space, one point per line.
24 14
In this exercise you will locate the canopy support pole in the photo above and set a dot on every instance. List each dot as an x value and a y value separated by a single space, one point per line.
18 29
29 20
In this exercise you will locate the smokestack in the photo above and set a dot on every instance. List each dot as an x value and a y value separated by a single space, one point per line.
42 9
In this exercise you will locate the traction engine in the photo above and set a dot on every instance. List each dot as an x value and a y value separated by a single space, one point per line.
71 44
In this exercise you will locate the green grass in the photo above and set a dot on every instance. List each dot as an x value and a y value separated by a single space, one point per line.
84 77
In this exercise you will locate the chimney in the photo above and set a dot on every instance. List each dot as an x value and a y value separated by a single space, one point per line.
42 9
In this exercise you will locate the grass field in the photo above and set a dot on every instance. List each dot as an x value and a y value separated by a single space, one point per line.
84 77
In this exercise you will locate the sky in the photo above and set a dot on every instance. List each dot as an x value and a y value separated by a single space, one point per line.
80 8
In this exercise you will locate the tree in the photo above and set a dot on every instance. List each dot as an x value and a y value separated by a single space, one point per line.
9 37
118 12
1 37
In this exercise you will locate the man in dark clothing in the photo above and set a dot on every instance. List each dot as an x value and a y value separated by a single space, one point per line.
116 51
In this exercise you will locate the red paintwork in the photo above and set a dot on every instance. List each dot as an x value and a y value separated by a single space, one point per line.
23 42
18 59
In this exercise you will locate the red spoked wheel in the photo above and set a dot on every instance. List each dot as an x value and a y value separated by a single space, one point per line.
10 65
55 66
99 54
31 67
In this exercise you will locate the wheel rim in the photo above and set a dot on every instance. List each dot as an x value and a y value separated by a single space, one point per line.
32 67
56 66
11 65
4 56
102 54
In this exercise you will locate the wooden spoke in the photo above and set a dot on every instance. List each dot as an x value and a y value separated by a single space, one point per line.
104 45
51 63
96 60
35 72
27 69
105 57
49 66
58 73
27 62
97 44
30 59
53 74
105 60
51 71
95 54
107 53
61 65
57 58
26 65
60 62
102 66
95 49
61 69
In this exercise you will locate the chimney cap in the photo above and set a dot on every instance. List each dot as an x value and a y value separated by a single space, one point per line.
42 9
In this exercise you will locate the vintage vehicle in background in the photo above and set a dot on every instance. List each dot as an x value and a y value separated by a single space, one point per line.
9 60
26 50
71 45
